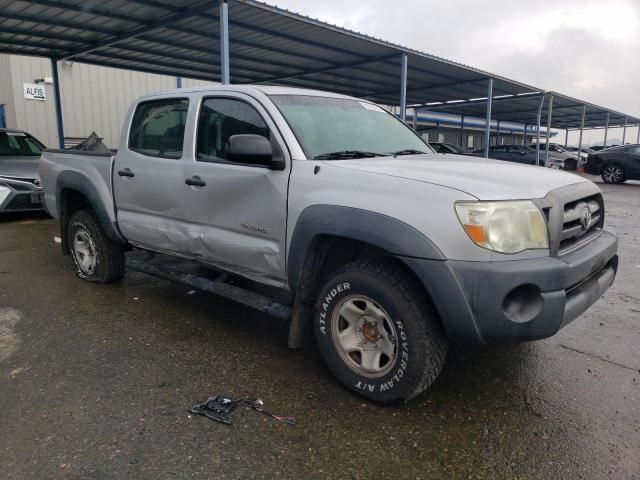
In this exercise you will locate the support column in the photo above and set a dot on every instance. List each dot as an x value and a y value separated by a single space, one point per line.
524 136
638 137
487 128
403 88
58 102
624 131
461 144
415 119
566 137
606 131
584 112
498 133
549 114
224 42
538 120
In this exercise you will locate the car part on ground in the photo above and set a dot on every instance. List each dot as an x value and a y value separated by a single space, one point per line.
332 200
220 408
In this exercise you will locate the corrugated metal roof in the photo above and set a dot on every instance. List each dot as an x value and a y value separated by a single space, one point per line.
268 45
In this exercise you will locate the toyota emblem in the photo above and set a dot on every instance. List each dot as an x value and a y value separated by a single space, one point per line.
586 218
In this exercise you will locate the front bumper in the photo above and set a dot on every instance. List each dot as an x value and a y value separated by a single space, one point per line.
18 195
513 301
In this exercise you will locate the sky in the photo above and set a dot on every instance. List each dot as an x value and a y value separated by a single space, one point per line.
589 49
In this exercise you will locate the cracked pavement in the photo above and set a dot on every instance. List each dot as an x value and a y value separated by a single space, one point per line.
95 383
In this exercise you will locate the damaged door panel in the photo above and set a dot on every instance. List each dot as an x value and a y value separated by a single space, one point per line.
236 209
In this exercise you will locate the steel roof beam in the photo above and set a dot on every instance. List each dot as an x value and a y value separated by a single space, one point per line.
328 69
54 22
78 8
480 101
198 9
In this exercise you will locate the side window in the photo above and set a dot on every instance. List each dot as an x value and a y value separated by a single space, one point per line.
157 128
634 151
220 118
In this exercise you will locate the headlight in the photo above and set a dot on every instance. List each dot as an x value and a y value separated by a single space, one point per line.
505 227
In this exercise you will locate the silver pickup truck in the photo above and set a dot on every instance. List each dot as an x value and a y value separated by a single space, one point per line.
388 251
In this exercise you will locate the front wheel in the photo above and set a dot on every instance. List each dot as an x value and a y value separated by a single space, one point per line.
613 174
96 257
378 333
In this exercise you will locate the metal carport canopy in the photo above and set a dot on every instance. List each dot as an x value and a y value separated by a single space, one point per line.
566 114
267 45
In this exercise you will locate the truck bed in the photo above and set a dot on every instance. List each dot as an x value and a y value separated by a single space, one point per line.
86 170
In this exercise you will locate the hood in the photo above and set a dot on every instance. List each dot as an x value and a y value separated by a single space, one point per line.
19 166
483 179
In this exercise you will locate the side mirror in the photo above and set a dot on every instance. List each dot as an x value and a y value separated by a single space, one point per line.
254 150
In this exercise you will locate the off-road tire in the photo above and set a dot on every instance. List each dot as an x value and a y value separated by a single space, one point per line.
421 347
110 259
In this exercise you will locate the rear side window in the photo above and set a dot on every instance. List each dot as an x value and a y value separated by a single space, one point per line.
221 118
157 128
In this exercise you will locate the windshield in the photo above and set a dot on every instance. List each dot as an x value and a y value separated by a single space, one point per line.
19 143
334 128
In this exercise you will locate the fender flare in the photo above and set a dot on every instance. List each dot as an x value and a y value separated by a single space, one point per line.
77 181
377 229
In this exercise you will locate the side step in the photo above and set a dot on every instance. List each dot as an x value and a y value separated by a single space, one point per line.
218 286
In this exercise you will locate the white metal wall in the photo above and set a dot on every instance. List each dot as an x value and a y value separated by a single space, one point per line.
93 98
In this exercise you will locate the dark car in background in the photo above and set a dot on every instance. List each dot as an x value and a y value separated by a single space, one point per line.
599 148
615 165
19 180
440 147
522 154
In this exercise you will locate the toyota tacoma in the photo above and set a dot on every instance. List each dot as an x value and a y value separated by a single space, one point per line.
389 251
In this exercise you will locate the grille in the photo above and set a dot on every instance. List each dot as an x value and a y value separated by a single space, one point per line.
22 202
574 228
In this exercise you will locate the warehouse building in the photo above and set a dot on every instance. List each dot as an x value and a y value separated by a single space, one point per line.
95 98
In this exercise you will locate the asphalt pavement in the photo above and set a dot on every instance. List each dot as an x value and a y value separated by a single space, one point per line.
95 383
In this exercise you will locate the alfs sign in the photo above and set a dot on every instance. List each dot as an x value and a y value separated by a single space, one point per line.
33 91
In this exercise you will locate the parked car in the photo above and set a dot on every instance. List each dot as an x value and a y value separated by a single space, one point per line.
585 150
556 151
449 148
521 154
19 181
388 250
615 165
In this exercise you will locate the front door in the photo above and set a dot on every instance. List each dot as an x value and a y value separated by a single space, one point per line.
633 162
148 177
237 212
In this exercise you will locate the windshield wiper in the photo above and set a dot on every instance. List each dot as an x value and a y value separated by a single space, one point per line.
408 151
347 154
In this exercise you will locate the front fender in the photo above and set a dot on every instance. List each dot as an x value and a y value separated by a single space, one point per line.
382 231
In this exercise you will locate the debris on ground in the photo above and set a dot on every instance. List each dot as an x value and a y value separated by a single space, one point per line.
220 407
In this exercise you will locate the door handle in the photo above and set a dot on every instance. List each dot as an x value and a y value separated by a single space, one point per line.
126 173
195 181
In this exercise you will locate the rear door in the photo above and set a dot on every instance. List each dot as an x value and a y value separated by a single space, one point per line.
238 213
148 177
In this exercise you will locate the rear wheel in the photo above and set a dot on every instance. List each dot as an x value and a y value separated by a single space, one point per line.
613 174
378 333
96 257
